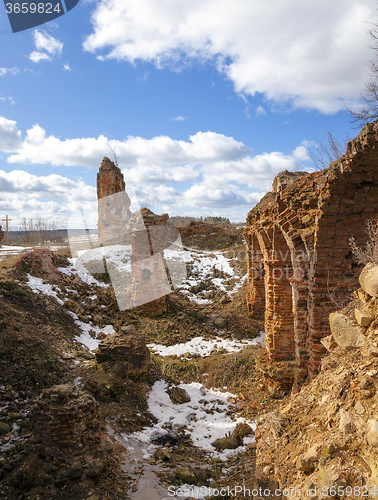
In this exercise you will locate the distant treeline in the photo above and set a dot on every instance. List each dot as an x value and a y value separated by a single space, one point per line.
181 221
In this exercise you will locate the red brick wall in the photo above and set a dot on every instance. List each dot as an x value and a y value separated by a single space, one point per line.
312 217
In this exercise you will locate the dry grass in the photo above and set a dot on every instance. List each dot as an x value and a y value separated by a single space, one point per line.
370 252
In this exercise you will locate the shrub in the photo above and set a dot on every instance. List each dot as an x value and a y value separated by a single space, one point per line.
370 252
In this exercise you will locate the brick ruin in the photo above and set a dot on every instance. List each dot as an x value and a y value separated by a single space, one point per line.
150 282
300 264
66 423
147 233
113 202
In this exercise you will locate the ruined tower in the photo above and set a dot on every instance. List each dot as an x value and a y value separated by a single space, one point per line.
113 202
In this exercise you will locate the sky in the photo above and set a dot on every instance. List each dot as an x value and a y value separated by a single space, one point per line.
203 102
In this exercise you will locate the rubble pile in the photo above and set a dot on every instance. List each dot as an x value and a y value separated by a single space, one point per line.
128 348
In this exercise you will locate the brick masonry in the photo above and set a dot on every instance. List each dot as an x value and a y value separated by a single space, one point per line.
300 264
65 423
147 232
113 202
150 282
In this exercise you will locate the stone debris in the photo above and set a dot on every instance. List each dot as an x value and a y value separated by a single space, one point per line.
4 428
178 395
186 474
345 331
128 348
369 280
226 443
363 316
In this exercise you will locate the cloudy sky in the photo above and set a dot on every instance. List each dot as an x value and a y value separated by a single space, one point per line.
203 101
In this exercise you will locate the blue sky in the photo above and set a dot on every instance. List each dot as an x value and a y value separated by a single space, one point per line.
203 101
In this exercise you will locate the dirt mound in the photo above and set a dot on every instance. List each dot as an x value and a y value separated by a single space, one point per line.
42 263
211 236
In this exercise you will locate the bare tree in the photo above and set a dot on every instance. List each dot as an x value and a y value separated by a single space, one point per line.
33 231
115 156
369 109
322 154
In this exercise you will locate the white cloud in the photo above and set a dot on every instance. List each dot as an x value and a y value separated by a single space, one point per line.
257 172
311 54
207 197
209 171
301 152
48 197
202 148
37 56
260 111
180 118
66 67
19 181
11 71
155 174
46 45
10 136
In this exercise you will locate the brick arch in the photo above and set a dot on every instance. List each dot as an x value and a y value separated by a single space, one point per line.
256 281
315 215
302 259
279 319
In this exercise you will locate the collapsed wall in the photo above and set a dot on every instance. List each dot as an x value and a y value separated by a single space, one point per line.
297 238
146 232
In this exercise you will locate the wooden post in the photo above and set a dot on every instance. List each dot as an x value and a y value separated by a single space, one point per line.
6 220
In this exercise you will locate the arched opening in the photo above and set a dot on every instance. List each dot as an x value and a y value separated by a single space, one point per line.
256 282
279 319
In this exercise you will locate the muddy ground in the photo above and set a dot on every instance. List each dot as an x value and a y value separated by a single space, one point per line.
38 350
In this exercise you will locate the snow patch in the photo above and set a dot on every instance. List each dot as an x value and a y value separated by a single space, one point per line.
205 417
202 347
39 286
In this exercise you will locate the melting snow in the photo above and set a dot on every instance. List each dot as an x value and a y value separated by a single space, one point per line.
205 417
203 347
38 286
11 250
85 338
84 275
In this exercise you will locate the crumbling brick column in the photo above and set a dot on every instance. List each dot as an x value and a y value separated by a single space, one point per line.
256 280
113 202
302 258
279 321
149 238
66 422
